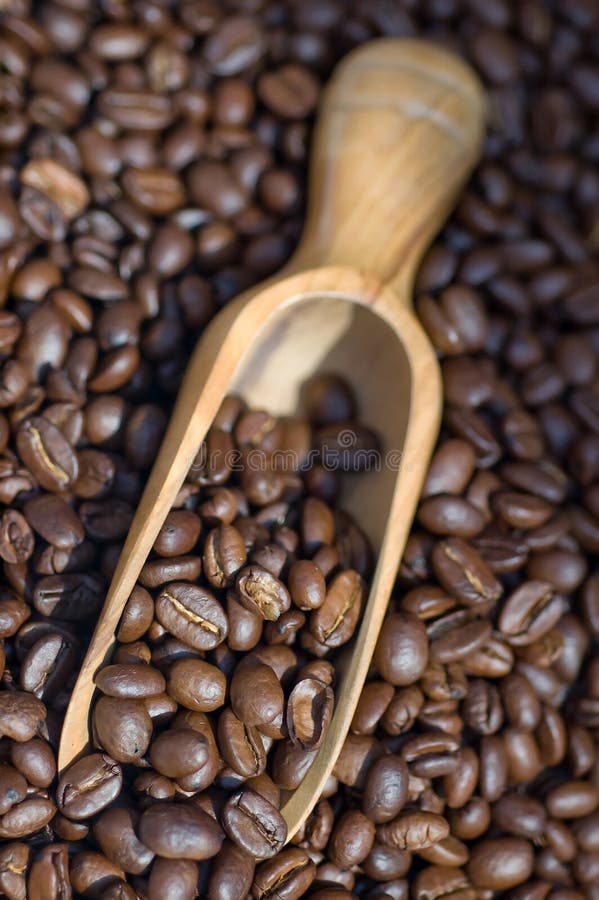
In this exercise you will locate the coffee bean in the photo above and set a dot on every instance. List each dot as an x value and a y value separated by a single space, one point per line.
309 711
122 727
192 614
290 92
572 800
196 684
291 871
463 573
179 831
233 871
530 612
262 593
413 830
47 454
401 652
352 839
235 45
500 863
224 555
255 824
241 745
88 786
385 789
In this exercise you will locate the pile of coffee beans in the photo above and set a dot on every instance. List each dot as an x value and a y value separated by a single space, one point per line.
152 165
226 646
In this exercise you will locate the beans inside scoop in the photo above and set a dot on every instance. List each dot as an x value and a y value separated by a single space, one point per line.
221 686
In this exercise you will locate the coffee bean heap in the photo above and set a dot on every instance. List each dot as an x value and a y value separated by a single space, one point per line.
152 162
256 582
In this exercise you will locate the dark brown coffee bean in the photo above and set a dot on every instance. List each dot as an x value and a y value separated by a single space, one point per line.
137 615
70 596
175 568
530 612
46 452
130 681
122 727
290 873
385 789
413 830
351 840
232 873
402 650
241 745
196 684
56 521
16 537
572 800
115 833
519 815
261 593
254 824
256 694
309 711
192 614
234 45
224 555
306 584
290 92
180 831
334 622
500 863
89 785
463 573
22 716
49 873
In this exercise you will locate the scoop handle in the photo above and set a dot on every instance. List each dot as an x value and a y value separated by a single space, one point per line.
399 130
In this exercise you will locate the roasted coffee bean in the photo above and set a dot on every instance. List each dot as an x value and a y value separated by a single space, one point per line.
334 622
122 727
463 573
88 786
232 872
16 537
413 830
131 681
192 614
351 840
262 593
72 597
530 612
179 831
572 800
256 694
49 873
290 873
306 584
255 824
385 789
309 711
114 831
137 615
196 684
48 664
500 863
22 716
241 745
402 651
47 454
224 555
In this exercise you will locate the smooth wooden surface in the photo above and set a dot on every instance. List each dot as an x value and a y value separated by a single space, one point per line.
399 130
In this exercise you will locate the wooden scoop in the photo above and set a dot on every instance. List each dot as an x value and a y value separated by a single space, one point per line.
400 128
